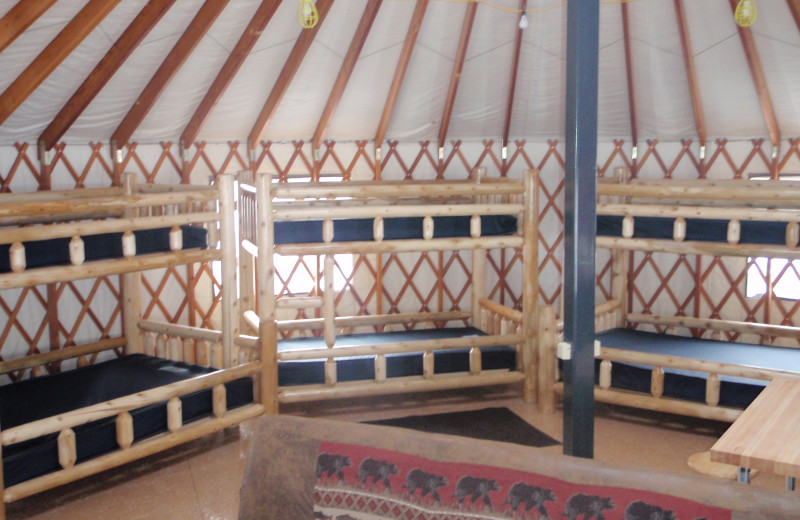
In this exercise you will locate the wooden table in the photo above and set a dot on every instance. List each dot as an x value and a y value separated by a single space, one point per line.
767 434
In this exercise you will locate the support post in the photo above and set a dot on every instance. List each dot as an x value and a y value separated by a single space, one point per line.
583 21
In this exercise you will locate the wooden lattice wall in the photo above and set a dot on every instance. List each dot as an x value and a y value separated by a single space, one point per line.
38 318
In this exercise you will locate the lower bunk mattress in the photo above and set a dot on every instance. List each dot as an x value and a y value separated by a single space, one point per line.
736 392
697 229
394 228
46 396
55 251
359 368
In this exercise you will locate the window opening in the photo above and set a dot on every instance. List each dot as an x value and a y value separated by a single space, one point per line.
780 273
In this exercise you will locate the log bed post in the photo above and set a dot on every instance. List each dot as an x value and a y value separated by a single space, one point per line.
530 289
619 269
268 327
230 327
131 286
246 260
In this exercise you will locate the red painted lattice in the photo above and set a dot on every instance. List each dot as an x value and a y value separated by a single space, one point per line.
657 282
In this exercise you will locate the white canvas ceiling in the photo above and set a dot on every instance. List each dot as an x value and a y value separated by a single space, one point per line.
731 106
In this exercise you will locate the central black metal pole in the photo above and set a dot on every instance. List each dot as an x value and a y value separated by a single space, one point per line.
583 21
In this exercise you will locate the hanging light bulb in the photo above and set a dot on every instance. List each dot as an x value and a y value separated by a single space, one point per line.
307 14
745 13
523 20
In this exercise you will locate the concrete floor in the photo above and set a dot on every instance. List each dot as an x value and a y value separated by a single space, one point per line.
200 480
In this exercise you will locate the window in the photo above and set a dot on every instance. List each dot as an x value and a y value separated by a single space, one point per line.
782 274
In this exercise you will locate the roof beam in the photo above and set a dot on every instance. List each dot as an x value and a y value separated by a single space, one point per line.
400 71
794 7
626 37
251 34
133 35
461 53
169 67
523 5
299 51
19 18
51 57
362 31
691 73
760 81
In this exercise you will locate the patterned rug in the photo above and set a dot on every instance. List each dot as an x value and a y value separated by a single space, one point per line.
494 424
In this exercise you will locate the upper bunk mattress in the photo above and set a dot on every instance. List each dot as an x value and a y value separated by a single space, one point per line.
55 251
46 396
697 229
690 385
406 228
291 373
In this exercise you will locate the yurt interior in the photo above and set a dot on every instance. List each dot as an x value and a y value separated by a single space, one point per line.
218 213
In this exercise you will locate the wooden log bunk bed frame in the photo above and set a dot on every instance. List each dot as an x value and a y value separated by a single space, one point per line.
732 201
79 215
266 204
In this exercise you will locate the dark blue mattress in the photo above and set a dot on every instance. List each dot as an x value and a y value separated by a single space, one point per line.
291 373
360 229
689 385
38 398
42 253
697 229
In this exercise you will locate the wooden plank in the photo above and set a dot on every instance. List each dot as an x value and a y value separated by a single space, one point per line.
251 34
794 7
512 84
400 71
404 246
764 437
287 74
691 73
87 228
19 18
108 65
97 268
198 27
313 212
397 385
60 354
458 64
401 347
759 80
626 38
346 70
56 52
696 248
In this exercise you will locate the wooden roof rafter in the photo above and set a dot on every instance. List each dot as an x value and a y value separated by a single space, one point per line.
760 82
133 35
794 7
626 38
19 18
512 85
81 25
400 71
349 63
198 27
691 74
458 65
247 41
290 68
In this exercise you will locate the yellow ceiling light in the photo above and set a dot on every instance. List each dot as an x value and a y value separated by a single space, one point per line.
307 14
745 13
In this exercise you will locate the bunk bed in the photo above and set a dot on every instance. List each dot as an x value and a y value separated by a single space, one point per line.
490 344
156 385
680 364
